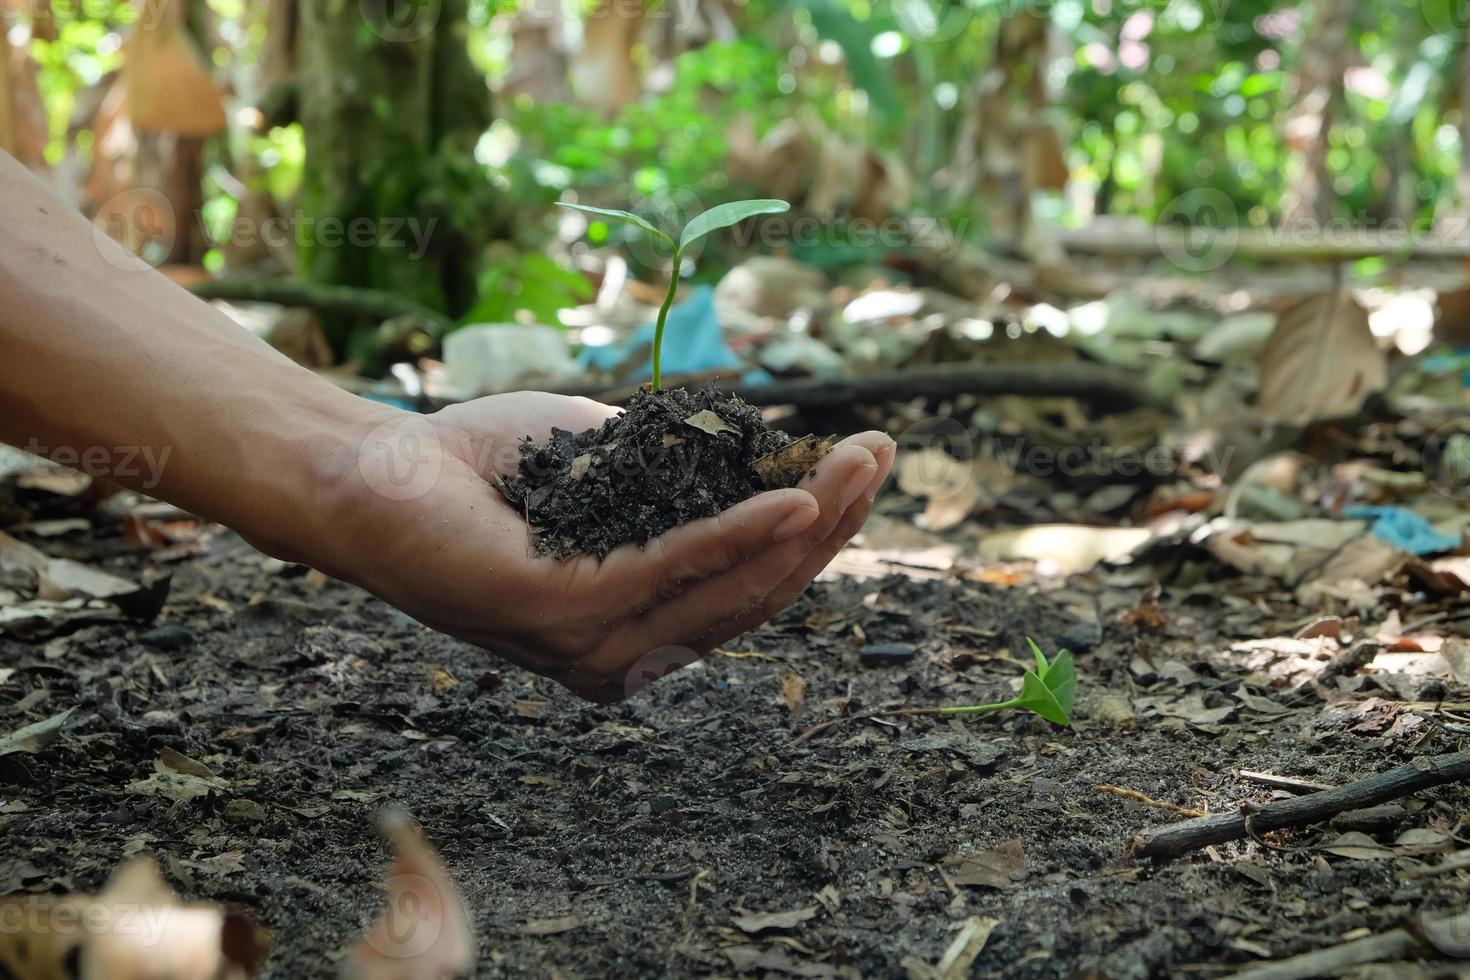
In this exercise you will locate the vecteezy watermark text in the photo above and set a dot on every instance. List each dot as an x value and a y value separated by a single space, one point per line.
141 467
40 915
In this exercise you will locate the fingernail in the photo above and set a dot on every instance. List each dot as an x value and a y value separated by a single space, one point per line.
796 522
856 485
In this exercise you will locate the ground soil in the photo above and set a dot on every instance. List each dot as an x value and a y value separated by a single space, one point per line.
630 840
671 457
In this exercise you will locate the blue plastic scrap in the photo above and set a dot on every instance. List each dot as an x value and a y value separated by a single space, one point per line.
1404 529
694 343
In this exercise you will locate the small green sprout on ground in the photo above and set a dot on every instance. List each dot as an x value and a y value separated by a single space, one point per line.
721 216
1048 691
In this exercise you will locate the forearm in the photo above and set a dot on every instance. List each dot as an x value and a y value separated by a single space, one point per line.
108 366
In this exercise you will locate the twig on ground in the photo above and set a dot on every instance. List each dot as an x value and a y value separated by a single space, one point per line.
1171 841
1290 785
821 727
371 304
1137 797
1396 944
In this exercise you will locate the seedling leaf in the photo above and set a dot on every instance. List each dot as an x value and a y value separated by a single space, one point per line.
1061 680
625 216
1041 664
725 215
1038 698
1048 691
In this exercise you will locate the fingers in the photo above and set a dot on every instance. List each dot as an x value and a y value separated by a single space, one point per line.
672 563
841 479
820 557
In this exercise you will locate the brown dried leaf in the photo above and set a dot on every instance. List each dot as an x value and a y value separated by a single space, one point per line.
752 923
424 930
785 467
998 868
1321 361
136 929
708 421
793 691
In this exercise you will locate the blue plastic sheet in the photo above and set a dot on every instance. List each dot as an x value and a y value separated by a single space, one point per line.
1404 529
694 343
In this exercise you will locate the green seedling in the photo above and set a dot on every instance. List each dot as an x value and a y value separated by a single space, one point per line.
1048 691
722 216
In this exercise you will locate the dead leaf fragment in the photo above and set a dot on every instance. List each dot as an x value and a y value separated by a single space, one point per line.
177 761
785 467
423 932
136 929
753 923
580 466
551 926
1357 846
1321 361
1067 548
707 421
997 868
34 738
793 691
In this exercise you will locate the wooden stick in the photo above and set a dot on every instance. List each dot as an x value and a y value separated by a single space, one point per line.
370 304
1162 843
1270 779
1093 382
1335 960
1396 944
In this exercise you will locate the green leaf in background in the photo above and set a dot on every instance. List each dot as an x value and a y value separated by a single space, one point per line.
624 216
837 22
726 215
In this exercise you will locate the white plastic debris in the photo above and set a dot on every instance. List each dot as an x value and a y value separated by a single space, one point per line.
488 357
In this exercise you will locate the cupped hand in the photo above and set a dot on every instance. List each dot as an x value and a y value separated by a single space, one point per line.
450 551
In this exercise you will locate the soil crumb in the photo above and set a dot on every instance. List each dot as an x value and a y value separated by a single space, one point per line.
672 457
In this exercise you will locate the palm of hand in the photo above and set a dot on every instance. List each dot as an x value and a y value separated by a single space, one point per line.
462 560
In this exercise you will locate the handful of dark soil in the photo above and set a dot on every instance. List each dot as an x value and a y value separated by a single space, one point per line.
672 457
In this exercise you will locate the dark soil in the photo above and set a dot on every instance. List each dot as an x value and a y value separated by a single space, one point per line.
629 841
672 457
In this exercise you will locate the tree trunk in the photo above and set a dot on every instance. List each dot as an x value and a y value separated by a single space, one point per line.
392 197
1319 90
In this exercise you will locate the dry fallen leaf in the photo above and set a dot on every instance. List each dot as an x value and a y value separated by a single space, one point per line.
951 486
33 738
997 868
793 691
786 466
752 923
1321 361
708 421
137 929
423 932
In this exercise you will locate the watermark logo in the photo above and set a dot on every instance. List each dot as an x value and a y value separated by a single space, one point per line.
932 21
657 665
411 920
1449 19
1198 230
401 21
401 458
140 467
135 230
1446 460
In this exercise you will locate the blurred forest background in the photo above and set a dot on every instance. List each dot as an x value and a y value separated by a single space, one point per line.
1018 158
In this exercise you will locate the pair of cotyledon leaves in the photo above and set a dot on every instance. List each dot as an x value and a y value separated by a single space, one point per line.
721 216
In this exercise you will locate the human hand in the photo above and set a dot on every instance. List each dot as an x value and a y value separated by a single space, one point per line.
438 541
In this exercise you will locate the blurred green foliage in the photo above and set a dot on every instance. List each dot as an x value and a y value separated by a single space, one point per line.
1153 98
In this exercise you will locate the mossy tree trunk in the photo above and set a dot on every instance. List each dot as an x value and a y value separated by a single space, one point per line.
391 107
